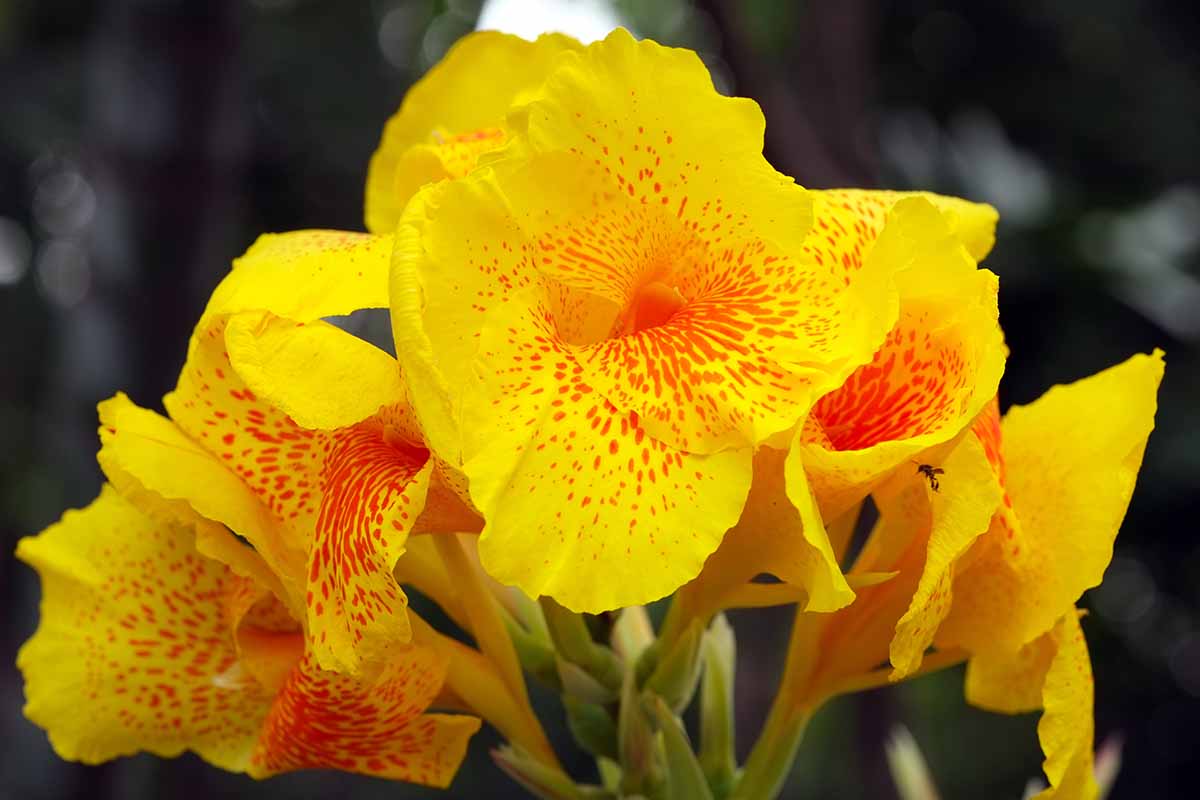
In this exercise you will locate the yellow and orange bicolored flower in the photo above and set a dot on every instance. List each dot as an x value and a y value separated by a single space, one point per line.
989 568
146 644
920 391
601 322
295 435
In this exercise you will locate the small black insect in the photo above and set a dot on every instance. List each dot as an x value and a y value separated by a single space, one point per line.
930 473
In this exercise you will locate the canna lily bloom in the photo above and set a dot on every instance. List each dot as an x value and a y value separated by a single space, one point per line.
295 435
454 115
147 645
1052 486
939 366
600 324
922 389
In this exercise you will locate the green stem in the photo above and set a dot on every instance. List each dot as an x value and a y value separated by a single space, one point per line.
677 618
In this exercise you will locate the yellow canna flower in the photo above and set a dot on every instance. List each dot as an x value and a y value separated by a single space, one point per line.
600 324
296 436
989 567
454 115
940 364
936 369
147 645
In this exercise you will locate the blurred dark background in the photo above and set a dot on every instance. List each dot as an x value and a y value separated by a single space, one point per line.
145 143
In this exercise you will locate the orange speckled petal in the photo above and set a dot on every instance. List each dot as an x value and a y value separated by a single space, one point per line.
275 457
446 507
936 369
142 452
572 489
373 486
327 720
133 643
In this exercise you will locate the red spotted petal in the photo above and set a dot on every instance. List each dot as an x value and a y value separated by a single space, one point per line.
327 720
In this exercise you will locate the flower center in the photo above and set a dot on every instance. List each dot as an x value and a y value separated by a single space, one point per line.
653 305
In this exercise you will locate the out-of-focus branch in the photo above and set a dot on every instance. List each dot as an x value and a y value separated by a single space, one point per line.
817 103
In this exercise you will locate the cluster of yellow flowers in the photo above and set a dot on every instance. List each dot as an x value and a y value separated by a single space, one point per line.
632 361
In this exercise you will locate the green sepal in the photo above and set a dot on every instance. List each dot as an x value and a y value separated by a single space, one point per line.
675 678
580 684
685 779
573 641
636 743
542 781
592 726
717 757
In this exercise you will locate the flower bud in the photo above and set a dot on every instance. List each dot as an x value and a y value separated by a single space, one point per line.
677 673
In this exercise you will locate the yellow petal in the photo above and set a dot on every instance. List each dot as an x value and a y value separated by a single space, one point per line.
572 489
133 642
304 276
1011 683
1066 728
454 114
973 224
136 446
269 640
960 511
317 374
777 537
328 720
431 287
1072 459
140 449
1053 672
215 541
